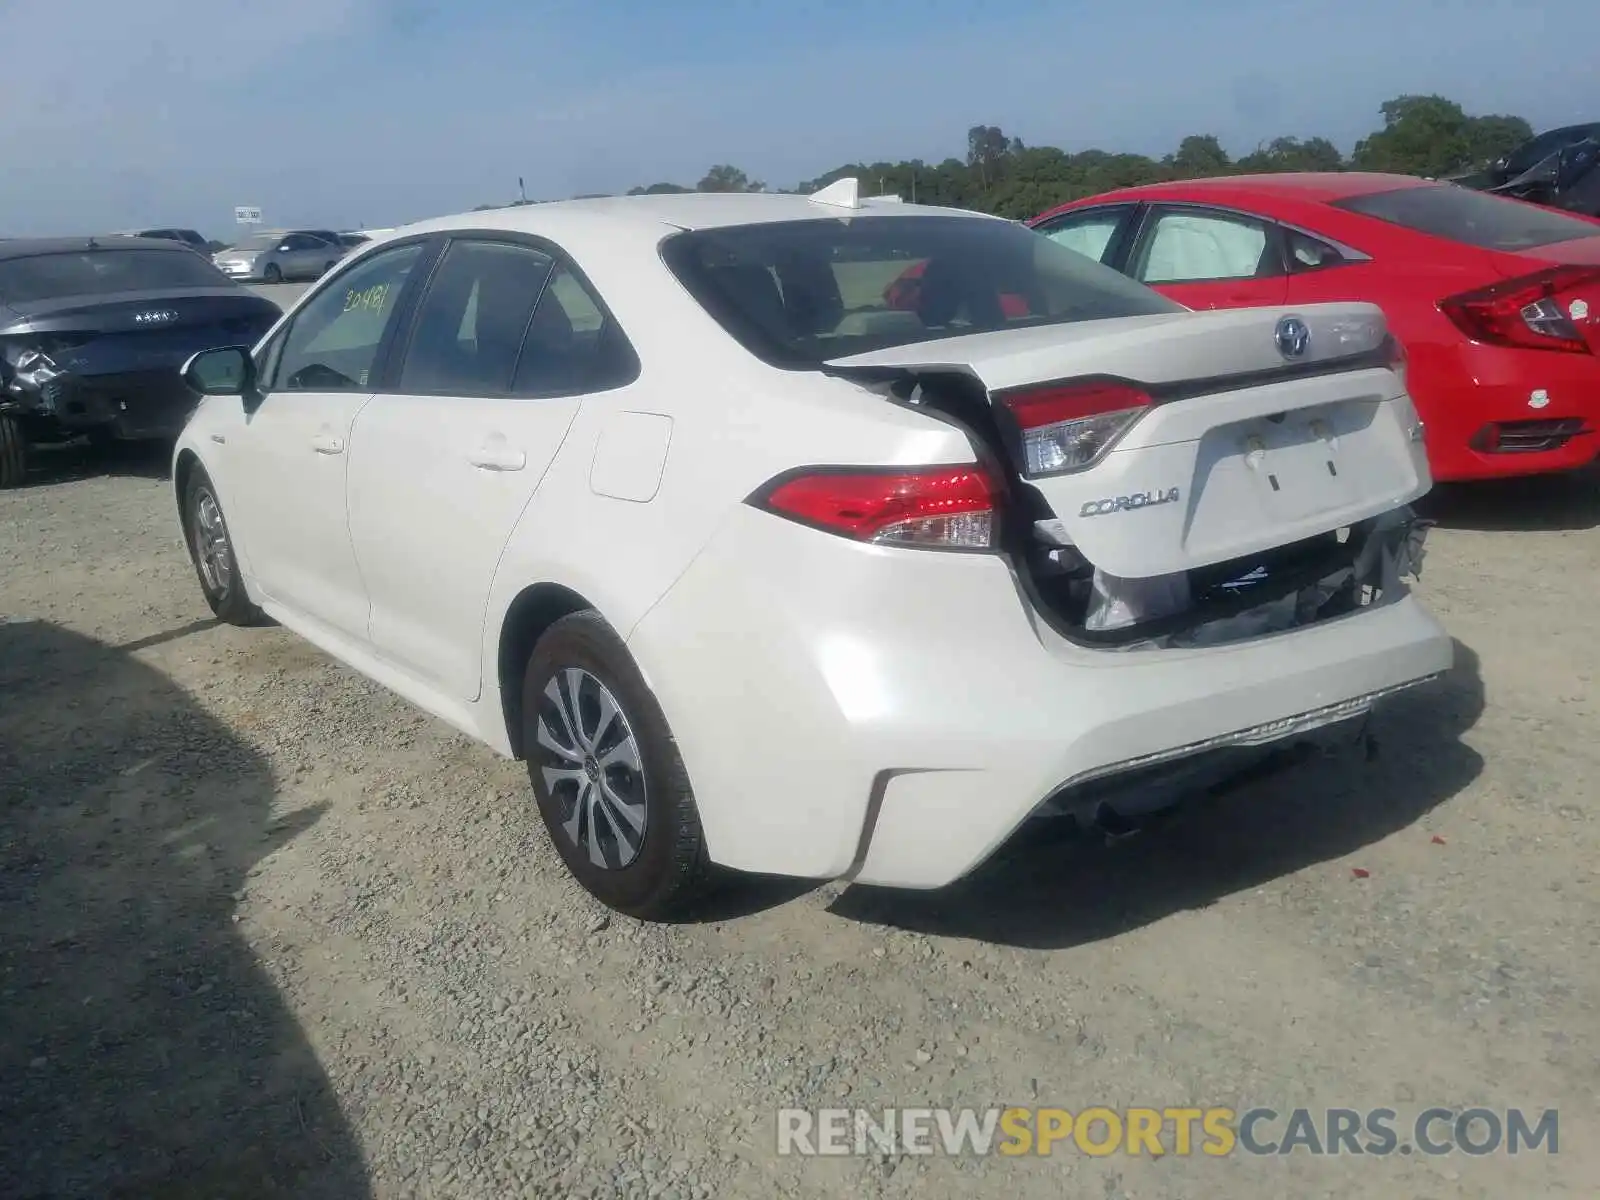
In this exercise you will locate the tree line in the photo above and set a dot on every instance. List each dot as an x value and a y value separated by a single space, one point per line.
1421 135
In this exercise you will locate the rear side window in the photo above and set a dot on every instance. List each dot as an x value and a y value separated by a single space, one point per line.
1185 247
799 293
1471 218
573 345
102 272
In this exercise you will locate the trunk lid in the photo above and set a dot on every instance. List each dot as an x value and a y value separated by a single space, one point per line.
1577 252
133 331
1243 448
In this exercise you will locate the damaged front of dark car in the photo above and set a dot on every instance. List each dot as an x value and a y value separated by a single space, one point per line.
93 333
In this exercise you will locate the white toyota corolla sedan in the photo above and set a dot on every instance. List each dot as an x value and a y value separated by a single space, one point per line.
758 571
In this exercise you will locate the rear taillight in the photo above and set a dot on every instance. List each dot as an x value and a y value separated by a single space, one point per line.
1067 427
938 508
1525 312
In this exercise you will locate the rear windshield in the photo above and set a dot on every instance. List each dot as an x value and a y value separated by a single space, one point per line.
101 272
1473 218
798 293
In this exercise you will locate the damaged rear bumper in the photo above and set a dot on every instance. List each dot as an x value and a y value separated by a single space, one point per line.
130 405
927 711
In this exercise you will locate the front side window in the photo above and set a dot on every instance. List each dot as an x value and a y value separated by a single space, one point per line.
1460 214
333 342
800 293
1088 233
1191 247
471 322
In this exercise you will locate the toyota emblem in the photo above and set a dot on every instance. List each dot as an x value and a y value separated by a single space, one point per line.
1293 337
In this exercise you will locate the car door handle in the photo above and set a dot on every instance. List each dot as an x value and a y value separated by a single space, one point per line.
498 458
326 443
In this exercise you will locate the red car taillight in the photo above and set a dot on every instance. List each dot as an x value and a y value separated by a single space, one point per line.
1067 427
1523 312
938 508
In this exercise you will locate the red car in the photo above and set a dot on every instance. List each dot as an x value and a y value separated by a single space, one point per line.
1496 302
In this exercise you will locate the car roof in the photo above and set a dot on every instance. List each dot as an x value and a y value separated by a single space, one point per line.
1314 187
27 247
676 211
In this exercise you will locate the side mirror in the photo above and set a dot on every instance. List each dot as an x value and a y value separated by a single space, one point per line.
285 248
225 371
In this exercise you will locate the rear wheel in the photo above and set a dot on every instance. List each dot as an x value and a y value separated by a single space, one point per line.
606 773
272 274
13 452
211 548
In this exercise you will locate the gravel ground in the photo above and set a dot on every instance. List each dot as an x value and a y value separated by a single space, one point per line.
269 932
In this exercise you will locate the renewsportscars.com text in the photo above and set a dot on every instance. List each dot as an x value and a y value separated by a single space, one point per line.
1214 1132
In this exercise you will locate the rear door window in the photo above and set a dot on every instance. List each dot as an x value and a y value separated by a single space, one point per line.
1092 232
1194 246
471 323
1472 218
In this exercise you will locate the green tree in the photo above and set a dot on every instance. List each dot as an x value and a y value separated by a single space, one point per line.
1429 135
728 179
1199 154
987 147
1291 154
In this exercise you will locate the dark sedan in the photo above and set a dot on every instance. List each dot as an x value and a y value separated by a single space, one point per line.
93 333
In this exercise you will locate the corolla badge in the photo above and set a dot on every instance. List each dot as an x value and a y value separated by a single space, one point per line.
154 316
1117 504
1293 337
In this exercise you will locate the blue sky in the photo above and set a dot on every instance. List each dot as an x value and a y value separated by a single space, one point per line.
374 112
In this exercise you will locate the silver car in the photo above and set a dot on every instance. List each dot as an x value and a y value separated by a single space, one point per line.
285 254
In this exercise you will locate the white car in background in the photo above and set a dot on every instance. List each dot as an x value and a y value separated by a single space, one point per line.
754 572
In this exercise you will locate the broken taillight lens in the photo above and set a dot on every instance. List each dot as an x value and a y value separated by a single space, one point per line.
1067 427
937 508
1525 312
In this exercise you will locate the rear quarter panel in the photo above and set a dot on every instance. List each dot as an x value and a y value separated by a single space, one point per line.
735 423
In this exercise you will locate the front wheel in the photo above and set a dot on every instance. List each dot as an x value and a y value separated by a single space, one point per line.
272 274
606 773
211 548
13 452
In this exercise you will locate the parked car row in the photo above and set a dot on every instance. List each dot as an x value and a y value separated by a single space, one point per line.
280 255
1074 517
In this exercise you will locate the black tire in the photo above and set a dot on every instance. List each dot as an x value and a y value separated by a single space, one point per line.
667 873
13 452
220 578
272 274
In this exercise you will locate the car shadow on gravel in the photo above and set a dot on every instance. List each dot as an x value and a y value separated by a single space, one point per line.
1548 503
1049 888
144 1052
74 461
